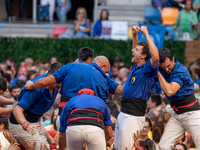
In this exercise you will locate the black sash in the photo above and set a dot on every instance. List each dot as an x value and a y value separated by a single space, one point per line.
133 106
188 103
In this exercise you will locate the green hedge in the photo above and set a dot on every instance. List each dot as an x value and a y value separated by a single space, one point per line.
20 48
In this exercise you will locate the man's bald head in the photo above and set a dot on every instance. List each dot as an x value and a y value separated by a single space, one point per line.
103 63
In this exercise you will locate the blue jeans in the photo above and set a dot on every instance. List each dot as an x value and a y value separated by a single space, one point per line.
61 13
80 35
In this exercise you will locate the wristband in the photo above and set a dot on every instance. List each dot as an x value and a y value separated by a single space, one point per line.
52 146
25 125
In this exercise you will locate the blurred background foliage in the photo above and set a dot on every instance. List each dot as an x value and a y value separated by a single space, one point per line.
20 48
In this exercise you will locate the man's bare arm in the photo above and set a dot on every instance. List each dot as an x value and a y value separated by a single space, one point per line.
108 132
41 83
62 140
152 47
168 88
119 89
135 30
6 101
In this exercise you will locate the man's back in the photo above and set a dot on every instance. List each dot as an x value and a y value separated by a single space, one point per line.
76 76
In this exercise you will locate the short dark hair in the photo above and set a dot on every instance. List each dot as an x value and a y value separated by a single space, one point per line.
7 77
145 49
4 120
20 83
165 53
16 86
165 100
54 67
156 98
84 53
3 84
102 12
184 146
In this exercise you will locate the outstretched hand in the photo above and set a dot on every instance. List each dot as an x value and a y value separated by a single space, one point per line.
28 145
137 142
9 136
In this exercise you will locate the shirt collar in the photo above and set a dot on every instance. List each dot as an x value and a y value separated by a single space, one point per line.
141 66
95 66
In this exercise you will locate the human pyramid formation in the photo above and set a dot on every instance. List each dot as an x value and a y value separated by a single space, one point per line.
84 118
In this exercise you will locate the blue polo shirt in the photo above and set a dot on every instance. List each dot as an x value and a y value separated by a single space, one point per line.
181 75
76 76
37 101
84 101
141 81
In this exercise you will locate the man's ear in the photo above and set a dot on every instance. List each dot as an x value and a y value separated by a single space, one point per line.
2 126
144 56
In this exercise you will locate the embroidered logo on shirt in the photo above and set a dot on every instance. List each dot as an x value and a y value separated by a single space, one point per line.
93 68
132 79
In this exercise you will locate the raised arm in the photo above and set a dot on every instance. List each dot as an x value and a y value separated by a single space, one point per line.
135 30
152 47
41 83
168 88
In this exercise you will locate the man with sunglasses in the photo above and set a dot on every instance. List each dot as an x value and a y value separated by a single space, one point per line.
178 86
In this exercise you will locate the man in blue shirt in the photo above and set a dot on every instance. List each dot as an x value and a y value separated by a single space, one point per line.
137 89
25 120
83 120
178 86
75 76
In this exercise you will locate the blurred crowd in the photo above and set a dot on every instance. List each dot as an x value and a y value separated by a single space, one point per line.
158 110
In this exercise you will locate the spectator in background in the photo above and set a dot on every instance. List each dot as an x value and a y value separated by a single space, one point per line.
53 59
123 74
186 23
82 24
98 26
63 7
176 3
196 7
10 72
32 74
29 61
153 115
180 146
146 129
197 76
3 126
159 4
7 77
21 75
9 10
51 4
3 67
154 101
15 91
157 132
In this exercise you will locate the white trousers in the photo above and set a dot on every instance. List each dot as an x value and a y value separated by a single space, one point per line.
125 127
93 136
51 7
19 133
177 125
